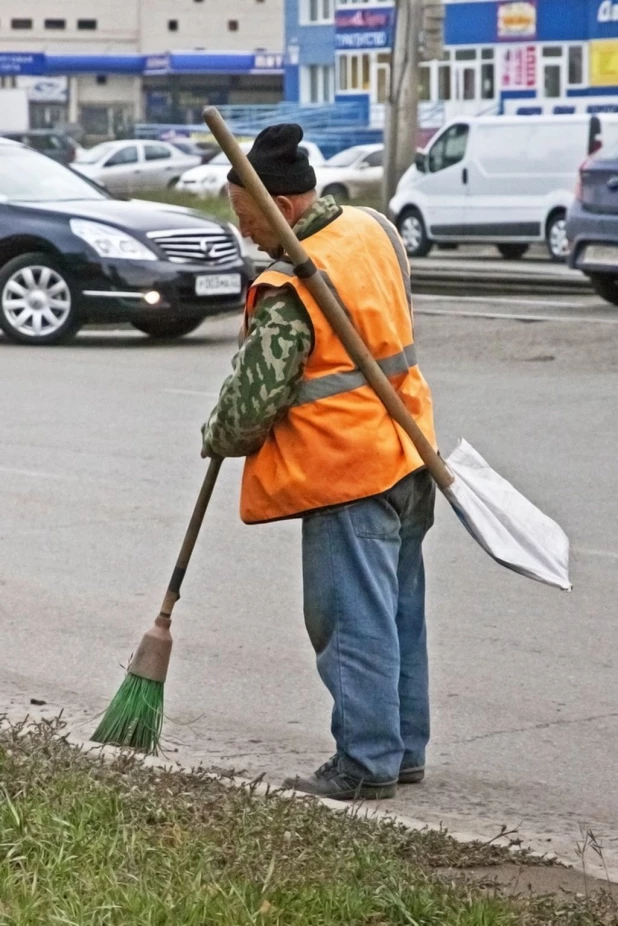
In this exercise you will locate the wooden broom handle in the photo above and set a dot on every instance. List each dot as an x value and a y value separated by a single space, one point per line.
328 303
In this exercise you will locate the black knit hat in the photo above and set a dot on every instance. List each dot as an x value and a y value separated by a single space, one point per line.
282 167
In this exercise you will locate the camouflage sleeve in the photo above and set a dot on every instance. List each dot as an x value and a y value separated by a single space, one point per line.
267 371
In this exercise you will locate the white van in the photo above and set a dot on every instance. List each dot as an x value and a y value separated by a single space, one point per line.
503 180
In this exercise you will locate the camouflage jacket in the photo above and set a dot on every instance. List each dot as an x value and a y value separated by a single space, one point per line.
268 368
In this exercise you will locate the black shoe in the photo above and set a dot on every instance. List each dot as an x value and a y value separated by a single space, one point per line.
411 775
331 781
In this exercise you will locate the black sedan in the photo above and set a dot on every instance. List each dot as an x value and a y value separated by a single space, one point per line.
71 254
592 223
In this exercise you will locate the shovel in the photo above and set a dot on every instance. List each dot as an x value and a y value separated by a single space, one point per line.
512 530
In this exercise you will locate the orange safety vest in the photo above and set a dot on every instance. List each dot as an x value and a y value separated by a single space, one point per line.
337 443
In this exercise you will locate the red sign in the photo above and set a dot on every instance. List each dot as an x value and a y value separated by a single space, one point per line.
519 68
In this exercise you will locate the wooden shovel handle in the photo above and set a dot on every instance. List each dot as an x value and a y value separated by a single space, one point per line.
334 313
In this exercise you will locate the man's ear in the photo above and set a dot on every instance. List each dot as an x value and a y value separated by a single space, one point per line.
286 207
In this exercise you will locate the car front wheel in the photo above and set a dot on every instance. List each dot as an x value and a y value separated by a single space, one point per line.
414 234
168 327
37 301
605 286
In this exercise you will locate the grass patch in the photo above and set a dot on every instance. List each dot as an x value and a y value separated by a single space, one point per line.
85 842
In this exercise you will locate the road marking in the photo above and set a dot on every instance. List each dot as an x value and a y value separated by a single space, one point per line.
29 472
512 316
604 554
209 395
509 300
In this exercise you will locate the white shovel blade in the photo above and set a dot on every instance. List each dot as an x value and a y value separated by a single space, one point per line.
508 526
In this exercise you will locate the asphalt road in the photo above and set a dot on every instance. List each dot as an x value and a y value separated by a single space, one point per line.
100 466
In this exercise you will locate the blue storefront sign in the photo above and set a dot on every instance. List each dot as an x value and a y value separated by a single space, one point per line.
603 23
21 63
371 28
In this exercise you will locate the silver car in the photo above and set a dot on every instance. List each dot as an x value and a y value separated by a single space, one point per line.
132 166
352 173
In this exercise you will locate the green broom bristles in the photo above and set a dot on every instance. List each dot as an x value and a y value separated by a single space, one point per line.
135 716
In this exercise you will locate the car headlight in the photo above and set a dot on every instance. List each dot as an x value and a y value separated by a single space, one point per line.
239 238
111 242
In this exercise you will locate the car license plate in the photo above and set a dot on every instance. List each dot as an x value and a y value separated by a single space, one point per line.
601 254
218 284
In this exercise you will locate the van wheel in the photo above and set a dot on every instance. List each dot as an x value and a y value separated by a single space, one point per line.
414 234
556 237
605 286
512 251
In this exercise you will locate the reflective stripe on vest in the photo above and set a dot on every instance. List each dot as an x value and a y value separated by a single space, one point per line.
323 387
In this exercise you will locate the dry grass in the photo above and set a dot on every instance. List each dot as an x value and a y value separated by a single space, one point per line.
86 842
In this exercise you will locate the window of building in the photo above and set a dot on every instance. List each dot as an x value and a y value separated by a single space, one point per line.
87 24
232 25
21 24
55 23
444 82
101 79
561 66
424 84
319 84
172 25
576 64
317 11
355 73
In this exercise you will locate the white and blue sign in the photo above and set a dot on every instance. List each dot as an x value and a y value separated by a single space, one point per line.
366 28
21 63
603 22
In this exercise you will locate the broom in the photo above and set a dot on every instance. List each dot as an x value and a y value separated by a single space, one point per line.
135 716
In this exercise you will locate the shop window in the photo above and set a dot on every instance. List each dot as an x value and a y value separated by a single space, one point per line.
488 81
552 51
465 54
552 80
424 84
342 64
21 24
576 64
444 82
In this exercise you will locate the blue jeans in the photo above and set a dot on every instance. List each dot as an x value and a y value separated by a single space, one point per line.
364 603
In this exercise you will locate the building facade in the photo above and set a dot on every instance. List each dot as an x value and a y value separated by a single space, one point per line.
106 64
500 56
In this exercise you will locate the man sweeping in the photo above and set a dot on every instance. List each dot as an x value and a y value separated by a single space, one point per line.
320 446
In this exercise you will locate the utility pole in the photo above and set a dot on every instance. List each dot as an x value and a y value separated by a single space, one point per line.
418 37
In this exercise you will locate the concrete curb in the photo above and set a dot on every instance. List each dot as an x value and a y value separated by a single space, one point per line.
362 809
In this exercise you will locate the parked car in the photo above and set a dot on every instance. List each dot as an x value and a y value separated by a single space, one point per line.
205 152
592 222
70 253
133 165
351 173
56 145
211 179
503 180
